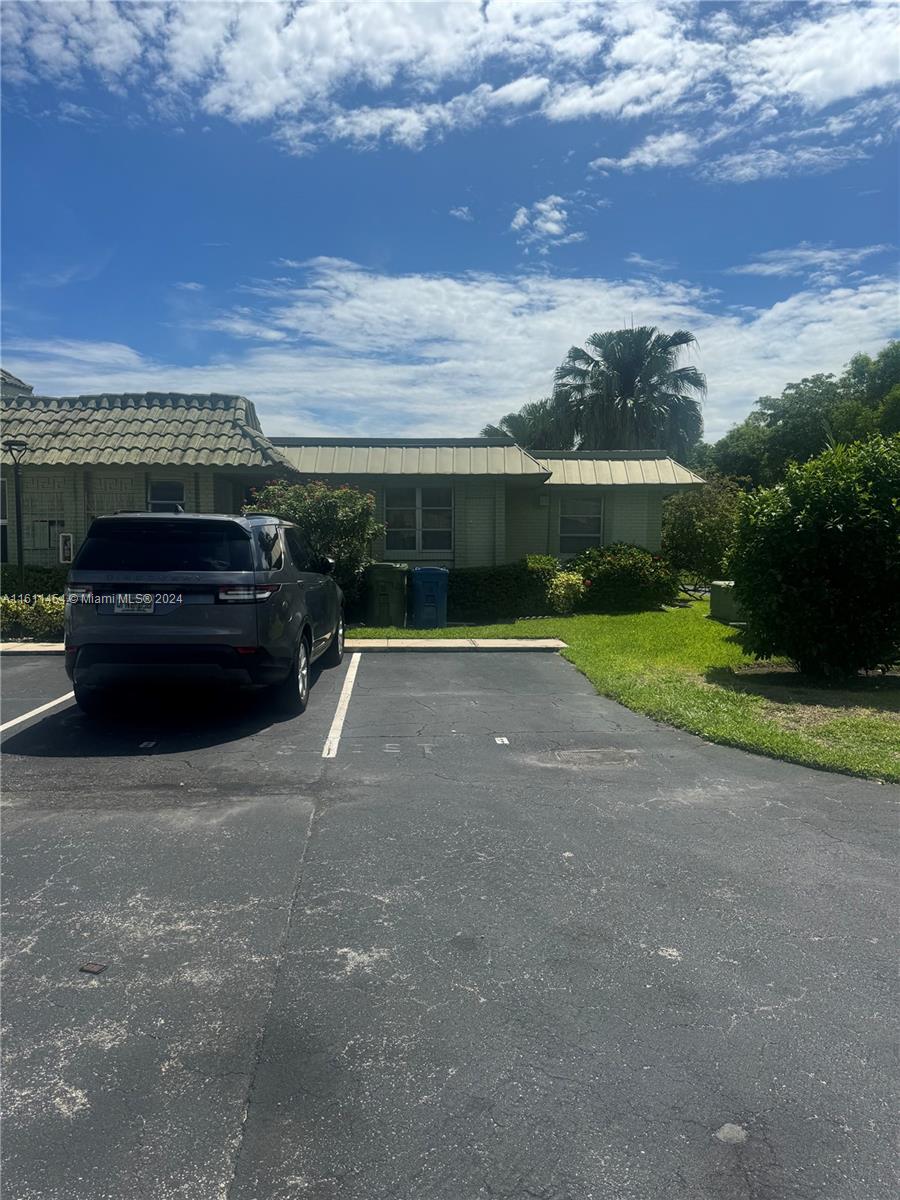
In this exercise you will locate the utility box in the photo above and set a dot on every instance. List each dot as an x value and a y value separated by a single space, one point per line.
723 605
386 594
429 597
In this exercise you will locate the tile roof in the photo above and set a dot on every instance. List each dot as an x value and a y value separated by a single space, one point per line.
12 385
409 456
608 469
140 428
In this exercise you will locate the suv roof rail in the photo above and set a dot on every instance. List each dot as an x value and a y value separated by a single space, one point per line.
269 516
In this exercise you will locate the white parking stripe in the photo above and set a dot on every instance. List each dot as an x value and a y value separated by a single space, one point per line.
34 712
334 733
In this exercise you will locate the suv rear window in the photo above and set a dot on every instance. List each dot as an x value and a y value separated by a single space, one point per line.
165 546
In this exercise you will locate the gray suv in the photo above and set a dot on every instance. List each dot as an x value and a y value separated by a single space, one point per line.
156 597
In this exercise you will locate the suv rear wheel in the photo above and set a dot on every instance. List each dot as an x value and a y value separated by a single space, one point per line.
293 693
92 701
334 655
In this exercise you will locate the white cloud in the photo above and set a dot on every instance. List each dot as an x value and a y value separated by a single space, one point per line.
407 73
462 213
769 163
649 264
675 149
544 225
347 350
189 285
823 59
826 265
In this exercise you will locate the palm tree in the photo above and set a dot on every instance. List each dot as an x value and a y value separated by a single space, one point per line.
541 425
624 391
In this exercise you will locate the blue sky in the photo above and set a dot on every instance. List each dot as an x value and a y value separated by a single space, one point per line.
392 218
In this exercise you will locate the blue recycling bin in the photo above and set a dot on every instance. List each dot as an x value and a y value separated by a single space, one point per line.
429 597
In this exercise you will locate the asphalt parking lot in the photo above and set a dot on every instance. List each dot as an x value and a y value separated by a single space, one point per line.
511 940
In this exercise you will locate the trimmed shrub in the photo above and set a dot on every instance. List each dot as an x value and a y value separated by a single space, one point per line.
623 578
516 589
36 581
816 563
565 591
41 620
336 522
698 529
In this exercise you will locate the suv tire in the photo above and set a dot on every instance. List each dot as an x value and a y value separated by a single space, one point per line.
293 693
92 701
334 655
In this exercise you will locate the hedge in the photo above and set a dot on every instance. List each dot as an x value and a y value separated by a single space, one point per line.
41 620
816 562
516 589
624 578
34 581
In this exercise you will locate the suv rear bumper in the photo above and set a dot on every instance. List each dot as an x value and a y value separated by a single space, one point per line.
101 665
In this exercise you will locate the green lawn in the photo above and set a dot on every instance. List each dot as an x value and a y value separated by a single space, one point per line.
680 667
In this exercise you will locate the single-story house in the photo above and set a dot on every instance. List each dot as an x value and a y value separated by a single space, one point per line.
463 502
443 501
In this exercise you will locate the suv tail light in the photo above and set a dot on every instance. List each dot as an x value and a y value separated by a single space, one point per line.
77 594
247 593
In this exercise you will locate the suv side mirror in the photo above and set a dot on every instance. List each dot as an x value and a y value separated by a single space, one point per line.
326 566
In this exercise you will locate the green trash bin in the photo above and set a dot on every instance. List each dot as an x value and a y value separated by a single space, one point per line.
386 594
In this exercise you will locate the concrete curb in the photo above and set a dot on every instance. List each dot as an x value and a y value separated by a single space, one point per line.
32 648
378 644
403 644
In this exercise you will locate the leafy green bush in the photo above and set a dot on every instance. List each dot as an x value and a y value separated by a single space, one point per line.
36 581
42 619
565 591
623 578
516 589
698 529
336 522
816 563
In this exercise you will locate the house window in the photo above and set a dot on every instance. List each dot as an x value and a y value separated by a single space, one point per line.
4 543
580 523
166 495
45 534
418 519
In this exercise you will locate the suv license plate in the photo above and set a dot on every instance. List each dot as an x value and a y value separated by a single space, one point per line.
134 604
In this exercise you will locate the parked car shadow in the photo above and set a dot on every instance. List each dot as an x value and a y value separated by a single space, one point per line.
786 686
190 719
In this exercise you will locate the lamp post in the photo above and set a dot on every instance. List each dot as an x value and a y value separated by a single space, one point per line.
15 448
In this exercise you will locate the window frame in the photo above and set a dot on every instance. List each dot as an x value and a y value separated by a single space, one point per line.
152 483
48 538
418 551
597 540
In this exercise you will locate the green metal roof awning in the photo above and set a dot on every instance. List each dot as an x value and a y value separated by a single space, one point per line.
409 456
644 469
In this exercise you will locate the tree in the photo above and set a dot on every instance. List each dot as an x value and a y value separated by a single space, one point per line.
816 562
819 411
540 425
698 529
742 452
889 413
625 391
336 523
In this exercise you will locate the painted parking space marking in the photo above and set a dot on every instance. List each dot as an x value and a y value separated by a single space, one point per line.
502 741
333 740
36 711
